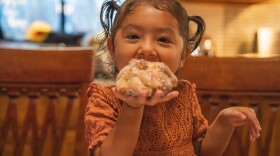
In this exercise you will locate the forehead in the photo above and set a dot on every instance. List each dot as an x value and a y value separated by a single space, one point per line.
148 16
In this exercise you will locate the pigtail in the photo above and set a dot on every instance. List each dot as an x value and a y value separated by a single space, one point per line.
107 14
195 40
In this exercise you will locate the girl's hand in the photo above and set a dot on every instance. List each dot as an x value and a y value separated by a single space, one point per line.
142 99
237 116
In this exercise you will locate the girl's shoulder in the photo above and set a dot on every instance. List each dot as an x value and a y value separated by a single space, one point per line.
187 92
99 94
96 89
186 86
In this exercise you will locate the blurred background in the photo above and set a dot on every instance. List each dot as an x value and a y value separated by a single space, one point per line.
52 23
64 17
234 27
239 26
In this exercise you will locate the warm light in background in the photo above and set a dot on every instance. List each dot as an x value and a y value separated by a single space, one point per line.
208 44
265 37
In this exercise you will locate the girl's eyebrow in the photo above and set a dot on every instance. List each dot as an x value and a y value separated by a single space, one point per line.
167 30
132 26
159 29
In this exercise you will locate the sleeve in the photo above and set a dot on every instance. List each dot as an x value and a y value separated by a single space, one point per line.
100 117
200 124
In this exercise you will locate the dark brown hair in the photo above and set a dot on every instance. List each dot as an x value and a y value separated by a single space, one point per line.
112 15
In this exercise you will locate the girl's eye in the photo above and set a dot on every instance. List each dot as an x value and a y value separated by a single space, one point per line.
132 36
164 40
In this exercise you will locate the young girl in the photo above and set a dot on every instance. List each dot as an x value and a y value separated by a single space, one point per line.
172 124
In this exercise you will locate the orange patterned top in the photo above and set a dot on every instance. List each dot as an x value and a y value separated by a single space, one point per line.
169 128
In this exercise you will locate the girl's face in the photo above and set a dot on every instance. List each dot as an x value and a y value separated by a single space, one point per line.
150 34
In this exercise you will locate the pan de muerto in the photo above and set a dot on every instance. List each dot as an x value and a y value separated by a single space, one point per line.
143 76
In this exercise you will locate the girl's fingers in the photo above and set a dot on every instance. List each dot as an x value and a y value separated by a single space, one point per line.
254 125
142 99
245 115
251 138
257 123
159 97
254 132
170 96
134 101
119 96
156 98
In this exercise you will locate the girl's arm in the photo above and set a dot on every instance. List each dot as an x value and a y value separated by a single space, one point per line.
219 133
123 138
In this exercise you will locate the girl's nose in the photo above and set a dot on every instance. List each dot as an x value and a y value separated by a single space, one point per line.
147 51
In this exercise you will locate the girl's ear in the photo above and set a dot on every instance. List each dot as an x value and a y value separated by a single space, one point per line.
110 47
183 59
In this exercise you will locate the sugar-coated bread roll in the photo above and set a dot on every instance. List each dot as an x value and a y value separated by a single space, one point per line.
144 76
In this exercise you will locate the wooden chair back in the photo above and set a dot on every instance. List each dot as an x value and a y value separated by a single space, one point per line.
238 81
42 100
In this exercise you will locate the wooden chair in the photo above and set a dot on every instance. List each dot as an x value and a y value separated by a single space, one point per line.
238 81
42 100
